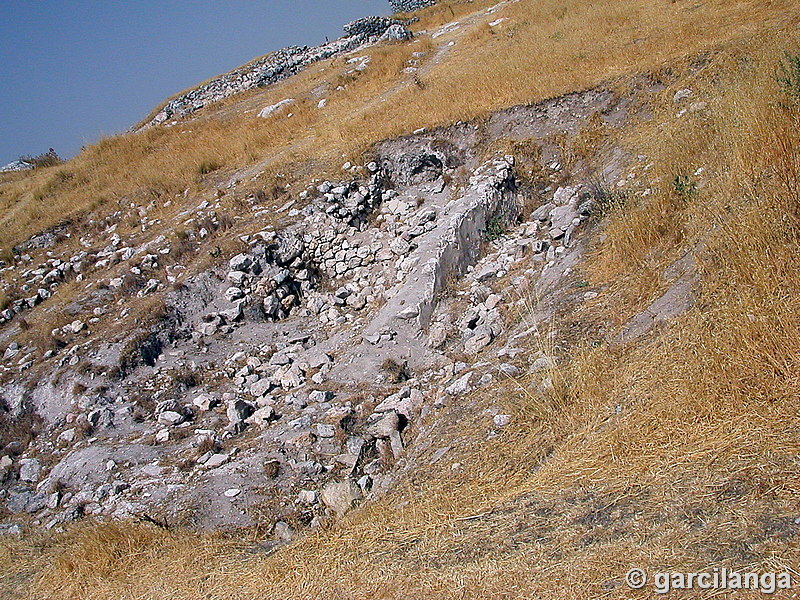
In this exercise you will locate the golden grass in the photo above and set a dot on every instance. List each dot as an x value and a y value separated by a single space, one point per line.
488 68
677 452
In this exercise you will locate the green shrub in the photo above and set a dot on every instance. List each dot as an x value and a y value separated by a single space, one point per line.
495 227
789 77
684 186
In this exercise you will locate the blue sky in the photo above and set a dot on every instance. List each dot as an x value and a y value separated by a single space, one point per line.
74 71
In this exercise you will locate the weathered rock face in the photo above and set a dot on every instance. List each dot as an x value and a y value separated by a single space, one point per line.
410 5
277 66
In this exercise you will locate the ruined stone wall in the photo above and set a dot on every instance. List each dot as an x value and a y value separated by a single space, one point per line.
277 66
410 5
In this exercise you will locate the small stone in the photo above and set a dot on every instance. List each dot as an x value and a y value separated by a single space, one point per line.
486 273
540 364
682 95
409 313
205 402
283 531
325 430
307 497
260 387
170 417
340 496
262 416
510 370
241 262
10 529
216 460
461 385
501 420
321 396
30 470
232 493
482 337
437 335
234 293
67 436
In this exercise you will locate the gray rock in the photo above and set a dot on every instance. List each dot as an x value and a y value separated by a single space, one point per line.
461 386
169 417
409 313
682 95
260 387
234 293
321 396
241 263
5 464
10 529
407 402
23 500
239 410
324 430
341 496
487 272
283 531
262 417
501 420
216 460
30 470
268 111
385 426
396 33
308 497
205 402
510 370
482 337
540 364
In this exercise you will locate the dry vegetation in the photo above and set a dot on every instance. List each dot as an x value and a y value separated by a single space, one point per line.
676 452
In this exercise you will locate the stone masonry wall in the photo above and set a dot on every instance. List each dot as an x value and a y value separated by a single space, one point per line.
410 5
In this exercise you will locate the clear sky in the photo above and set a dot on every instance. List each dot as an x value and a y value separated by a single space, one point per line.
74 71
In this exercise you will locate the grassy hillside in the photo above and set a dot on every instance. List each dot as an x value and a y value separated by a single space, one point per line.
676 451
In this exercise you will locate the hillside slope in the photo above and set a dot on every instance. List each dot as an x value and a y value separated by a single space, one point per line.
540 328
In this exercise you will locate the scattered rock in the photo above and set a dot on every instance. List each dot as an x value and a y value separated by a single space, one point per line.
30 470
340 496
461 386
501 420
216 460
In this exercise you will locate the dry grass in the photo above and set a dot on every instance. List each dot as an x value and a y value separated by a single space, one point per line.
677 452
488 68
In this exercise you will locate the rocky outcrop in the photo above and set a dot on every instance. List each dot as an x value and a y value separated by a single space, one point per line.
277 66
